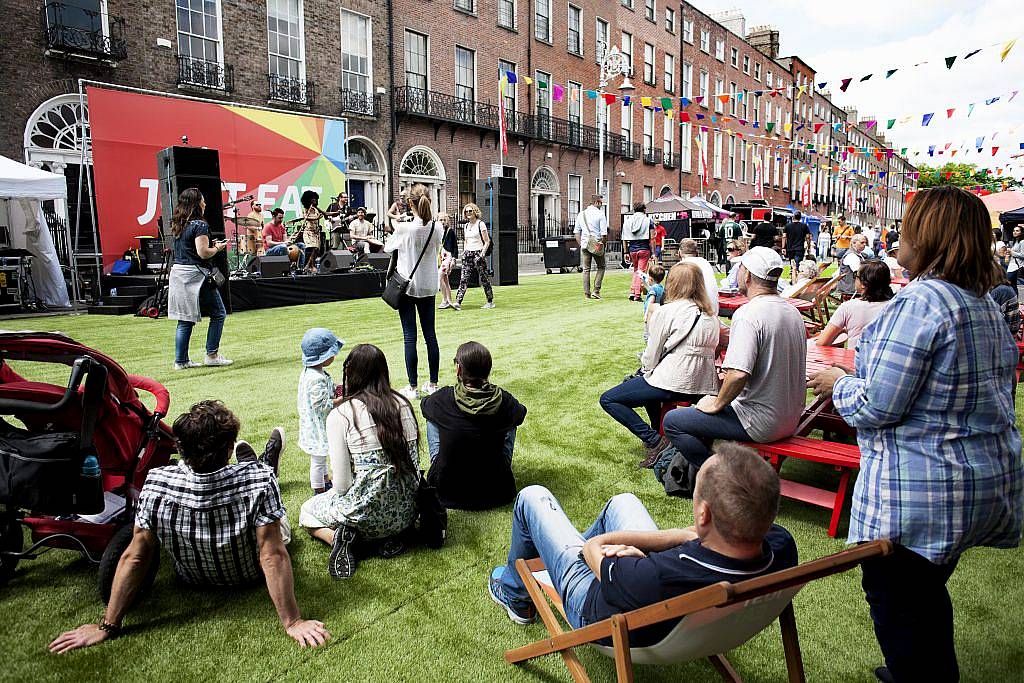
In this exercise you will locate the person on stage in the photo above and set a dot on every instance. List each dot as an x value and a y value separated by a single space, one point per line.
312 232
189 290
363 241
253 228
341 215
477 242
400 210
275 241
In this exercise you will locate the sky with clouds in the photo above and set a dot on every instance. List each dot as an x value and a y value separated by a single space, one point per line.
841 40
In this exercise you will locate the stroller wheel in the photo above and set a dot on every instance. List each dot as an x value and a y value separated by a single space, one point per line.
11 541
112 555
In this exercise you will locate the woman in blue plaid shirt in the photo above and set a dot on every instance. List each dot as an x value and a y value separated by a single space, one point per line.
932 401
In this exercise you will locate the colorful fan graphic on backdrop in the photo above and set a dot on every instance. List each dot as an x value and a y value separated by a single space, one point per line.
272 155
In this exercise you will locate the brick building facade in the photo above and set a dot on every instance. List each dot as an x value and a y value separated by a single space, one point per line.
418 83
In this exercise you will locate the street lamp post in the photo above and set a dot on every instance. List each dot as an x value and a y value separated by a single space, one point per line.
613 64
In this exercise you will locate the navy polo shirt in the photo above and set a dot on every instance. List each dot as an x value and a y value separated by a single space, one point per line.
628 583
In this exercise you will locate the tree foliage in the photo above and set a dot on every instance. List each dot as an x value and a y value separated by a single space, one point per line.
964 175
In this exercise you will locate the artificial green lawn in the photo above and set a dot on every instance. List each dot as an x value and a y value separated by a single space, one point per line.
426 615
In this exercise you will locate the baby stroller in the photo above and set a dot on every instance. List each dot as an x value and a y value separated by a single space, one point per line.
49 481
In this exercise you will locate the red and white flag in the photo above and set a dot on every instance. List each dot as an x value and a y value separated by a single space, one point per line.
502 132
878 205
758 176
702 156
805 190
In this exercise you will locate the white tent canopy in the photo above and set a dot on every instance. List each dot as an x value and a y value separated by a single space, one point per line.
22 191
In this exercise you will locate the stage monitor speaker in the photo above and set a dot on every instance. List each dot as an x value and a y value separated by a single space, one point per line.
499 202
336 261
379 261
275 266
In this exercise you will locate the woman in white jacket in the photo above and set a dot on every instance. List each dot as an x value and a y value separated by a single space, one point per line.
678 364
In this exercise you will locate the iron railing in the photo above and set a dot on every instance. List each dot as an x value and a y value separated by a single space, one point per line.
362 103
652 156
541 126
59 235
205 73
76 30
294 90
670 160
532 234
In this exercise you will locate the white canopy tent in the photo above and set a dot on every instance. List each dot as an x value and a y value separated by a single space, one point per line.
22 191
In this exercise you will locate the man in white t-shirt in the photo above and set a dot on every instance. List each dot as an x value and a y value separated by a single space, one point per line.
762 396
592 235
688 252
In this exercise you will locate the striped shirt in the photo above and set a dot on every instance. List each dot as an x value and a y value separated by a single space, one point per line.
932 401
207 522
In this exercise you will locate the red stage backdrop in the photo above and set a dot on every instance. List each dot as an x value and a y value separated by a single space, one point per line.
273 155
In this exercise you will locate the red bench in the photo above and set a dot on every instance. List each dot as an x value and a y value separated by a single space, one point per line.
843 457
665 408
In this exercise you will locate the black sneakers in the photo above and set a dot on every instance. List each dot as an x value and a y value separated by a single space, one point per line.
244 452
342 562
272 451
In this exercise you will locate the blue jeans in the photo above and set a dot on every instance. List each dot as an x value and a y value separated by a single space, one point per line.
540 528
408 307
282 250
434 443
620 401
691 431
212 306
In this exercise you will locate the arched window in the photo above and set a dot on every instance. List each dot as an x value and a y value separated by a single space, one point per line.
715 198
361 157
422 163
665 190
544 180
55 126
730 200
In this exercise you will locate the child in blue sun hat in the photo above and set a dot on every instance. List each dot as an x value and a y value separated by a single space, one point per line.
316 398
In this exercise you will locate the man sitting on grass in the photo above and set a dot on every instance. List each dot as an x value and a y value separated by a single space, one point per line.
623 562
223 524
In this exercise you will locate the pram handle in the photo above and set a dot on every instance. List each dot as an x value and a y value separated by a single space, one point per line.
151 386
79 369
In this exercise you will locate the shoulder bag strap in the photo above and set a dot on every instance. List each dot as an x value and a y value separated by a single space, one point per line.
423 251
666 352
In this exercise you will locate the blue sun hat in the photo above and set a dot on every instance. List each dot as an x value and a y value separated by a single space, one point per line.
319 345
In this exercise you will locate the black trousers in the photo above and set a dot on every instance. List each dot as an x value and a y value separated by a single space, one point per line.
913 615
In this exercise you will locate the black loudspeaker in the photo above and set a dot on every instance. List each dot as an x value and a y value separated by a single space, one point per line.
498 199
379 261
336 261
179 168
275 266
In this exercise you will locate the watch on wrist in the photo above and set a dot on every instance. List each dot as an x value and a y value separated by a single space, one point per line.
112 630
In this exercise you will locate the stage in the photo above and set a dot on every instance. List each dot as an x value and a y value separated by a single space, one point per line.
249 294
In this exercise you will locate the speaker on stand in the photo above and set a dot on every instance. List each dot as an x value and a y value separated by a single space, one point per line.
179 168
498 200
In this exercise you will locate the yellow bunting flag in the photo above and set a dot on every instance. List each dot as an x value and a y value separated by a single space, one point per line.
528 80
645 101
1006 49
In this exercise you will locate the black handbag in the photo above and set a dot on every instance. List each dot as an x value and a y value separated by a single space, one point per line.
398 284
214 276
433 517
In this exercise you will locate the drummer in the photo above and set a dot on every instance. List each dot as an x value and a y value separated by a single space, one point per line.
362 234
275 242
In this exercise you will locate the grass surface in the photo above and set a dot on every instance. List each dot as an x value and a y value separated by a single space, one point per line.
426 614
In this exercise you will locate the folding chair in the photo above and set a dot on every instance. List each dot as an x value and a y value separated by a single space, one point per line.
713 620
820 313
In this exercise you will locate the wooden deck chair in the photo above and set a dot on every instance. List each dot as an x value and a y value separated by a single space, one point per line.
713 620
820 312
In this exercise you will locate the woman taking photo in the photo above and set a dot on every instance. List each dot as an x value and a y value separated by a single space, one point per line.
678 364
874 291
932 401
373 439
190 293
476 242
421 236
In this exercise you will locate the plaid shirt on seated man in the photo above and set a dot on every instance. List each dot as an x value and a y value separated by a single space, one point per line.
208 521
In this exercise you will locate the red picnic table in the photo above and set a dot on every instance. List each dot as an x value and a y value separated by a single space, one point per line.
901 281
728 303
821 357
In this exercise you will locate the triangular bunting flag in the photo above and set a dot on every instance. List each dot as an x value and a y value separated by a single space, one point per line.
1006 49
699 99
769 127
684 102
992 100
684 117
511 76
866 78
892 122
608 98
821 86
645 101
557 92
890 72
1013 95
949 61
527 80
846 84
949 113
591 94
970 110
972 53
818 127
994 150
723 98
927 118
666 102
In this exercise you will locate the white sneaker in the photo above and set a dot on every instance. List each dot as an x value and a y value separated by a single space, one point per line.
444 305
410 392
217 361
457 306
431 388
187 365
489 304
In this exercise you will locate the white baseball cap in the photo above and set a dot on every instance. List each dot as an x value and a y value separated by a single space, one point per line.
895 247
763 263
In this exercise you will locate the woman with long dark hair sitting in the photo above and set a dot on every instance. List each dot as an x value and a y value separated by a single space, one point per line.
189 291
874 291
373 441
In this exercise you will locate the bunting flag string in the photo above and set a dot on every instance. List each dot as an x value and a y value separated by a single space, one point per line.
1005 47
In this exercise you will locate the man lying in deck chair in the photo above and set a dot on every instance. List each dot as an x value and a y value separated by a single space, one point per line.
623 562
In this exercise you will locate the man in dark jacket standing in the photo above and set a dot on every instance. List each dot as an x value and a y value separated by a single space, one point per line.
471 431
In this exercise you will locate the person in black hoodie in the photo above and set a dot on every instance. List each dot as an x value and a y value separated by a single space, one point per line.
471 431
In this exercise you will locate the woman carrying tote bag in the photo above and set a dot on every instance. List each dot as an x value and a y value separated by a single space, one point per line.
417 244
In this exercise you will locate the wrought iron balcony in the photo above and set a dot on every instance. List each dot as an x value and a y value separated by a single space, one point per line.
361 103
294 90
541 126
203 73
73 30
670 160
652 156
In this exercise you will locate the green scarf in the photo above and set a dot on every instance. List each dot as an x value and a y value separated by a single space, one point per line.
483 401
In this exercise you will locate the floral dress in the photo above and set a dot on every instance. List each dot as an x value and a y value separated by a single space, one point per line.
369 494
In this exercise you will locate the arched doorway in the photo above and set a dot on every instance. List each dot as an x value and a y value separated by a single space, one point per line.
545 203
55 135
730 200
422 165
715 198
366 177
